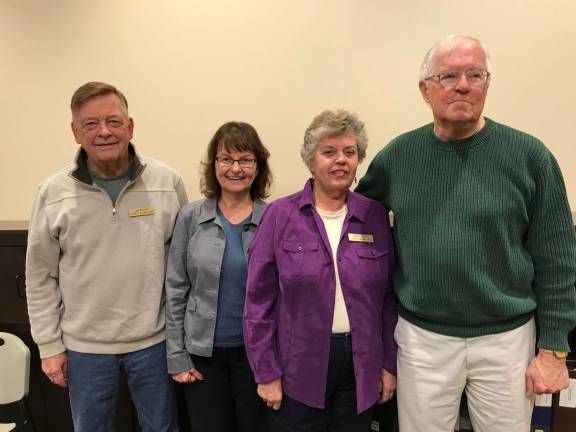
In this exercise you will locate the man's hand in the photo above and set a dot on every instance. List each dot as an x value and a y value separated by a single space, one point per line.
56 369
188 376
387 386
271 393
546 374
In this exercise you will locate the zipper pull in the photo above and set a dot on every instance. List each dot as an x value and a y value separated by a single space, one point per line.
113 211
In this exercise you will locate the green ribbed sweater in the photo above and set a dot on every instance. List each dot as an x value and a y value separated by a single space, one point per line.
483 232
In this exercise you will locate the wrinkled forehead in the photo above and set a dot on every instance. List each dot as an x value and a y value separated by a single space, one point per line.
459 53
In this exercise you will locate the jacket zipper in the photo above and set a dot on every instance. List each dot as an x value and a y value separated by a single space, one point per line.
128 183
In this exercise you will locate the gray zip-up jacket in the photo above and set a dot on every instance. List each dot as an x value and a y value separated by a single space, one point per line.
192 280
94 270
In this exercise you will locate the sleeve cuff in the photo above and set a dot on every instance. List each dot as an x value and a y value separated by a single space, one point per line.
51 349
390 365
264 377
179 363
553 339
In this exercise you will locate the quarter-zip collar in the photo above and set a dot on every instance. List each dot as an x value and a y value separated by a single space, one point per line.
82 173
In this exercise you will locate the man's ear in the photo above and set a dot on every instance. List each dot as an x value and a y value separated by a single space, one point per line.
130 128
424 90
74 131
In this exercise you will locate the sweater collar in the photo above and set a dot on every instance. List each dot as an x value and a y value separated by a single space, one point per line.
464 144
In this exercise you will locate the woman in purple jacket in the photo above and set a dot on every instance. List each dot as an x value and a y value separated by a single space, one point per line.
320 312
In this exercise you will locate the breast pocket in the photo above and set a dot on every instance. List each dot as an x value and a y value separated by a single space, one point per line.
299 258
373 265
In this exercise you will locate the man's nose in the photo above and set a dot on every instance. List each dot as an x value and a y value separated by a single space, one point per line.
462 84
103 129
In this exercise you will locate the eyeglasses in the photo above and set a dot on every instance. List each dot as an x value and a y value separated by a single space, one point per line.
227 161
111 122
474 76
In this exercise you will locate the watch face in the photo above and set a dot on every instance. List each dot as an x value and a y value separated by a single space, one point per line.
560 354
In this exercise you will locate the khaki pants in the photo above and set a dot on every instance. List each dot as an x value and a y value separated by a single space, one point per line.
434 369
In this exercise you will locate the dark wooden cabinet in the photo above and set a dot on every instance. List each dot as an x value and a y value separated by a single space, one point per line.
12 284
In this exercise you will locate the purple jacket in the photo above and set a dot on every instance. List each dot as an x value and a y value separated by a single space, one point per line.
291 290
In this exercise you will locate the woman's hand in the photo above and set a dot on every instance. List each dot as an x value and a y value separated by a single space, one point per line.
271 393
188 376
387 385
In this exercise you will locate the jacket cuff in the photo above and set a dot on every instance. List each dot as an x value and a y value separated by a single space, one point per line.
179 363
390 365
264 377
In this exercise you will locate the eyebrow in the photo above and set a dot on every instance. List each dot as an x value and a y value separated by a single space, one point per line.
113 116
247 153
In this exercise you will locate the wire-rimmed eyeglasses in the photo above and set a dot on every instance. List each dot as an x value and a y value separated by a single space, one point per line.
450 78
227 161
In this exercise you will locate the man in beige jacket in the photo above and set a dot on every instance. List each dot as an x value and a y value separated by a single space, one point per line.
95 268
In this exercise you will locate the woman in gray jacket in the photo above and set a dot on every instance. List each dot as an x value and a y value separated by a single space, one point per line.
206 284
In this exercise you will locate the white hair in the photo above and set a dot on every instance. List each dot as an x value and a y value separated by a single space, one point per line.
428 64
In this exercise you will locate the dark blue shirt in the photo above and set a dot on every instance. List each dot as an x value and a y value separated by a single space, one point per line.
232 290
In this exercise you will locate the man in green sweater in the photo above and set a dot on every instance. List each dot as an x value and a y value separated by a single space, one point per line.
485 248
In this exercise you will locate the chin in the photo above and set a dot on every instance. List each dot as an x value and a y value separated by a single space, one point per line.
342 186
237 188
463 116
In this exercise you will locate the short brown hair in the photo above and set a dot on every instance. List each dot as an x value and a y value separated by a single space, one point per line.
93 89
237 136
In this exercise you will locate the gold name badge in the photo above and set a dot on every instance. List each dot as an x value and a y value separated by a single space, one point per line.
364 238
143 211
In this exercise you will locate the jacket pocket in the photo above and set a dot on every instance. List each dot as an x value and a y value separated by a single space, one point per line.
299 258
370 253
373 265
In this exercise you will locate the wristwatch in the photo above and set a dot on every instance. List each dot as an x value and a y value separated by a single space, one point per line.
560 355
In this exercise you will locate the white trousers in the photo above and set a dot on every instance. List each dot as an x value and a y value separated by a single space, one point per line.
434 369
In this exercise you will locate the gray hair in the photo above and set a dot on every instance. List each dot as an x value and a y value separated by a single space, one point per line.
428 64
330 124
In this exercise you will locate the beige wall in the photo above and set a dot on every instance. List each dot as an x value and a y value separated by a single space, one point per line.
187 66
